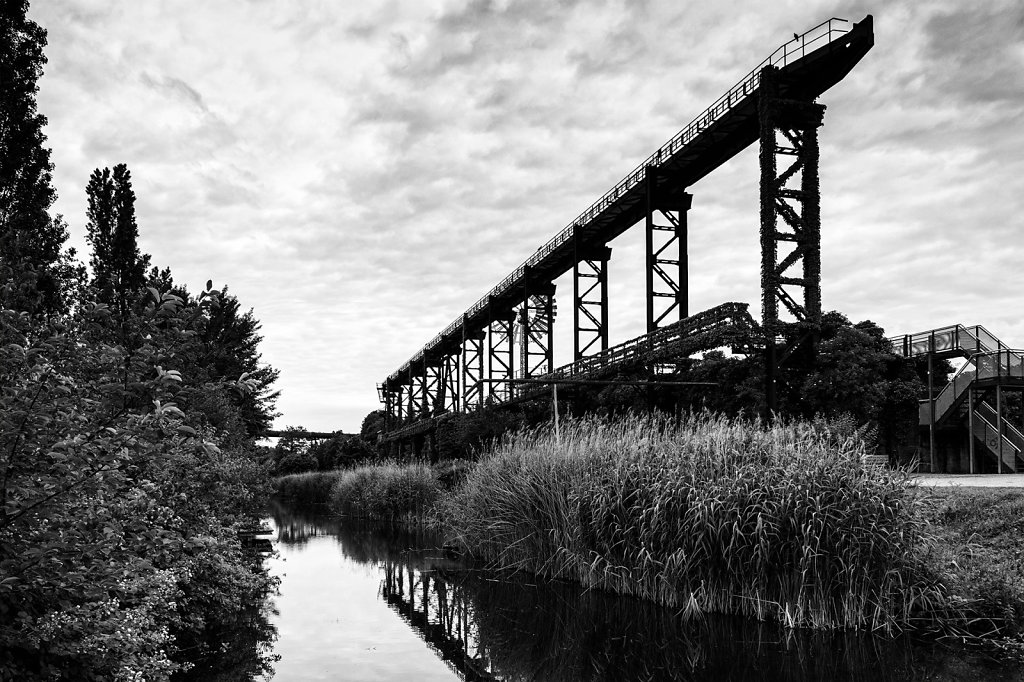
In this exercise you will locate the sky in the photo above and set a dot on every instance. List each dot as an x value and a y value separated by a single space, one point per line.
360 173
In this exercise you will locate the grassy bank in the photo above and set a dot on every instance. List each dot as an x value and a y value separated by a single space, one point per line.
782 523
313 487
978 549
392 492
711 515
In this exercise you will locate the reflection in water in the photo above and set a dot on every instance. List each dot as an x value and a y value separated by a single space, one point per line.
487 626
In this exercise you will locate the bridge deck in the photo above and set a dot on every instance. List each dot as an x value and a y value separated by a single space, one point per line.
810 64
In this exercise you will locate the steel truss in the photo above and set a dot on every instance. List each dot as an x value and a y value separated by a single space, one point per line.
398 405
536 320
416 396
448 397
667 286
472 369
791 247
431 386
501 360
590 293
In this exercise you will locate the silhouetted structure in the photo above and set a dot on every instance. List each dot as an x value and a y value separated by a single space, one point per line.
473 359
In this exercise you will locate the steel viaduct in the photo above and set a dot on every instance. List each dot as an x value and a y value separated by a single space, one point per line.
507 334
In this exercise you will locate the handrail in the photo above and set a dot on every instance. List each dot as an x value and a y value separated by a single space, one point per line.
944 339
1004 362
746 87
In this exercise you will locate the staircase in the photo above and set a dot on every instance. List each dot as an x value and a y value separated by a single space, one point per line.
990 364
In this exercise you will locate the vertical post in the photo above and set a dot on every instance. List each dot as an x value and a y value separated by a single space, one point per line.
999 424
970 428
931 409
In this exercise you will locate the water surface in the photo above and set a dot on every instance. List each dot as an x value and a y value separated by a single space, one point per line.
359 602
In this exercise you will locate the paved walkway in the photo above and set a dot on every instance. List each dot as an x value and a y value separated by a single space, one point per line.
971 480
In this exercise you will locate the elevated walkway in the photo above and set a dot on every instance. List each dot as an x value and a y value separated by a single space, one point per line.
729 324
971 409
809 65
726 325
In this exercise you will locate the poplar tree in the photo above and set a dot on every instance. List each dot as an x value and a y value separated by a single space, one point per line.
30 240
119 268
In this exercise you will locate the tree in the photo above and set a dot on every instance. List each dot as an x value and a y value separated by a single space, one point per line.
119 512
372 424
119 268
853 374
230 341
30 240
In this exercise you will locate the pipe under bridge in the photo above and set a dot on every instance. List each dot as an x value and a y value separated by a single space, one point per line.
507 334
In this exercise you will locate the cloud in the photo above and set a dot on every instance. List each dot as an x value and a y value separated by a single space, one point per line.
360 173
176 87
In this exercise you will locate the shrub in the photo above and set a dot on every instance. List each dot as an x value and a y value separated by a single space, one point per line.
296 463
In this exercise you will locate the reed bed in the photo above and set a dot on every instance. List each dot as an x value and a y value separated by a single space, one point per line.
779 522
387 492
312 486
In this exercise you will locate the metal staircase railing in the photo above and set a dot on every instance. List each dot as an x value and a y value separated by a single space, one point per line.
956 339
1006 446
988 365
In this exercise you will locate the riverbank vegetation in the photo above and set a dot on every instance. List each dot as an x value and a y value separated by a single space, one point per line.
128 410
781 522
386 491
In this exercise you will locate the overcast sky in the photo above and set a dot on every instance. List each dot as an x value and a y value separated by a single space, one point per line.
360 173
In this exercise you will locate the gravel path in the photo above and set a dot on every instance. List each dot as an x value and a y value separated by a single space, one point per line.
971 480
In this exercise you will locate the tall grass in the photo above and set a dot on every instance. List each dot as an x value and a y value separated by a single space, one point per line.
312 486
386 492
777 523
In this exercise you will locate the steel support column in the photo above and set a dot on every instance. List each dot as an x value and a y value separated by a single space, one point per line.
416 394
501 361
431 386
472 368
790 248
536 320
590 294
667 259
448 384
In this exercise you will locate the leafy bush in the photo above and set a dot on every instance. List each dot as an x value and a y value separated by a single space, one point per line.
118 530
296 463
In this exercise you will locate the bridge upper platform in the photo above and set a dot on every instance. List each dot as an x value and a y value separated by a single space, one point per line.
809 65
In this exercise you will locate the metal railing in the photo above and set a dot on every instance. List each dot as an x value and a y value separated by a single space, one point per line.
956 337
1002 363
814 38
696 329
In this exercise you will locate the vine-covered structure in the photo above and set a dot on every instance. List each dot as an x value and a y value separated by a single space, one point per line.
506 336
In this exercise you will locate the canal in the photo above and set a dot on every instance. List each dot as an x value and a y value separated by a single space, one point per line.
363 603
